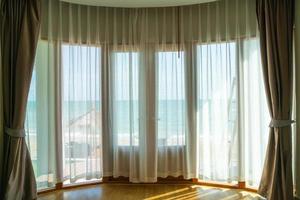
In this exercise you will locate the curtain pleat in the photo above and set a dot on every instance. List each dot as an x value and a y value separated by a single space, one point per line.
275 22
20 29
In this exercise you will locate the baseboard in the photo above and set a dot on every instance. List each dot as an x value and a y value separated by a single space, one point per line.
168 179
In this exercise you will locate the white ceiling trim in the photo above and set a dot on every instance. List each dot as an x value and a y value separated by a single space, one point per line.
137 3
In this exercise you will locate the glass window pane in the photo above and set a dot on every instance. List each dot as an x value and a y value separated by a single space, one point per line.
217 121
125 79
171 99
81 113
256 114
40 119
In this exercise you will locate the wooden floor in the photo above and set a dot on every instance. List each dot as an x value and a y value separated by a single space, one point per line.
148 192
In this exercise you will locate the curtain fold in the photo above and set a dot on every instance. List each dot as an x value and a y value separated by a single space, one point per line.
275 22
20 29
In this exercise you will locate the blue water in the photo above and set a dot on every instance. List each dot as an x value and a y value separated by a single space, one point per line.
169 118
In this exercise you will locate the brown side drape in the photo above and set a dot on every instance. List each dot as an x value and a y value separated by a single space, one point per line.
275 22
20 28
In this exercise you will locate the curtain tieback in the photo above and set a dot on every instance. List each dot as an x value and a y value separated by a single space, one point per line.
276 123
15 132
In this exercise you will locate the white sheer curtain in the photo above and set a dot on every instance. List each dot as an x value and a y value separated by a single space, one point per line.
173 137
126 114
232 112
81 112
254 112
40 123
153 92
217 113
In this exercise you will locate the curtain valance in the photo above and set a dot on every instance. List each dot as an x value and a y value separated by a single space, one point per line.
214 21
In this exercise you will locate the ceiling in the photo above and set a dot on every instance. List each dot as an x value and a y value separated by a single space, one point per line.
137 3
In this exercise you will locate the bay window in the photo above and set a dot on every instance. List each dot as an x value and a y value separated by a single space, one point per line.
228 97
148 93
